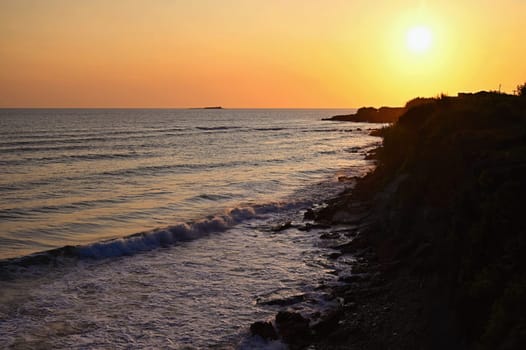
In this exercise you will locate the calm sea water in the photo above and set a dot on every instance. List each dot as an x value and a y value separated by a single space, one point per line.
159 221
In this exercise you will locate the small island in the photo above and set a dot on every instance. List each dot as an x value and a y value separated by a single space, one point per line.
211 107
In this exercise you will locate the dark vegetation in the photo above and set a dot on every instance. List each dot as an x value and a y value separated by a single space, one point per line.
452 174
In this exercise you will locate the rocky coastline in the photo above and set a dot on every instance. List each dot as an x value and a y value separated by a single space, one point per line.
436 235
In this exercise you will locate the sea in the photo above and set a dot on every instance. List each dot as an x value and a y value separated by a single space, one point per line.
156 228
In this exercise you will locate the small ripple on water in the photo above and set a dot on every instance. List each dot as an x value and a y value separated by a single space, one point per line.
86 176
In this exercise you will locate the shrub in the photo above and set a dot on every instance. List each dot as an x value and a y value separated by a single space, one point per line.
521 90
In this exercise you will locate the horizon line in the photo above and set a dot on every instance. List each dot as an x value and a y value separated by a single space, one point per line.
178 108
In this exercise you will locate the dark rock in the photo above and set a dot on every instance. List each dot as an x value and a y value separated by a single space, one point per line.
351 305
309 226
309 215
334 256
358 277
353 233
360 268
264 330
293 329
330 235
294 299
328 323
349 299
353 246
282 227
342 334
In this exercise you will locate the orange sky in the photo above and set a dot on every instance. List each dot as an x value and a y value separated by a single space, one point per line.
259 54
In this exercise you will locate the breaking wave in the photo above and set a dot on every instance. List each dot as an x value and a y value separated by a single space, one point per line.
150 240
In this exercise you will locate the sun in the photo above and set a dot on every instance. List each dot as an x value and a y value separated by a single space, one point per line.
419 39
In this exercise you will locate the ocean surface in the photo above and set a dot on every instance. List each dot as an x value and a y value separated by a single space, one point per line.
153 228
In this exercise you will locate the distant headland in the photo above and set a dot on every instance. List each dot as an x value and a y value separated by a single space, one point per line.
372 115
392 114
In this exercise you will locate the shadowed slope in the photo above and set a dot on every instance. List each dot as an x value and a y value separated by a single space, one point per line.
448 206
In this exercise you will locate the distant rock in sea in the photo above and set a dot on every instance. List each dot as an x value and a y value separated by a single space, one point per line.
372 115
212 107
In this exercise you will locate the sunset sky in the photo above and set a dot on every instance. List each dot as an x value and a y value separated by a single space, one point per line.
259 54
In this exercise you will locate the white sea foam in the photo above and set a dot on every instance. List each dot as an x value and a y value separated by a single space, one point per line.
182 232
203 293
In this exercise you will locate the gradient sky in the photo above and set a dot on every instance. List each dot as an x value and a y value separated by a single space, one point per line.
260 54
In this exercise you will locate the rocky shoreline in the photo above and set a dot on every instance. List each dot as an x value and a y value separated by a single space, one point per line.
437 239
374 310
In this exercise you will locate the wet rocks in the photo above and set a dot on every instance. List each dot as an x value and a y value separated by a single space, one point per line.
334 256
328 323
308 226
282 227
309 215
354 278
330 235
291 300
294 329
264 330
353 246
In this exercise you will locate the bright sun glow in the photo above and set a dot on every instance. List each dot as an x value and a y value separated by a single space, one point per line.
419 39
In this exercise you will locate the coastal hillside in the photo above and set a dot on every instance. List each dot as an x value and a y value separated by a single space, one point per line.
447 202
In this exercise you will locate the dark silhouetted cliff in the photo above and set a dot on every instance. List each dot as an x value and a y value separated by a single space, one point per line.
448 200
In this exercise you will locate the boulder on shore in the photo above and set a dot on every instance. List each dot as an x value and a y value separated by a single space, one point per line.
263 330
293 329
